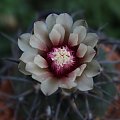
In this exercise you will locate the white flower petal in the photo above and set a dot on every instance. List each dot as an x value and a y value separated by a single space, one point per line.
93 68
40 61
84 83
82 49
82 68
33 68
55 37
73 39
44 75
28 57
40 30
80 23
81 31
68 85
51 21
91 39
69 81
23 42
73 74
37 43
21 68
49 86
89 54
65 20
61 30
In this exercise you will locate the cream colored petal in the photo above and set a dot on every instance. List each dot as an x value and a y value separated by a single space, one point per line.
81 31
81 51
21 68
89 54
84 83
80 23
51 21
25 37
73 74
44 75
49 86
93 68
33 68
40 61
55 37
73 39
68 85
28 57
23 42
38 43
82 68
61 30
91 39
69 81
65 20
40 30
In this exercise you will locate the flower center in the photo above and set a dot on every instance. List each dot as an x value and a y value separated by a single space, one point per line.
62 58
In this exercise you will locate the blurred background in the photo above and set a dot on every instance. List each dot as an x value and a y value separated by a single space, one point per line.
102 16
